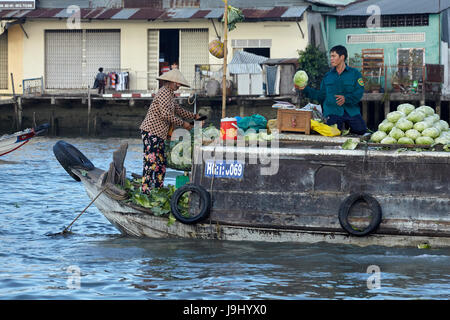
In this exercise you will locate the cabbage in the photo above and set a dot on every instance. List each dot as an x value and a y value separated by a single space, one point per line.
386 126
437 125
265 136
301 78
394 116
211 133
424 140
405 140
434 118
406 108
428 111
429 121
422 125
413 134
444 125
251 136
431 132
416 116
378 136
178 154
442 140
396 133
404 124
388 140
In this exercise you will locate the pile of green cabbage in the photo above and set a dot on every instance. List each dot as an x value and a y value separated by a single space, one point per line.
411 125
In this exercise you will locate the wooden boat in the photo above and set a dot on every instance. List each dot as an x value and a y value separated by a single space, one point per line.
9 143
402 197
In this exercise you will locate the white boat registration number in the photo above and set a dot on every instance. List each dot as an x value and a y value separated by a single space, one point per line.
223 169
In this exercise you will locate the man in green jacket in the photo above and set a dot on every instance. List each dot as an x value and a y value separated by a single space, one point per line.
340 92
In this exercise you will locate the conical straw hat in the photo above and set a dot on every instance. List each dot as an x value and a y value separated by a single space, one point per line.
174 76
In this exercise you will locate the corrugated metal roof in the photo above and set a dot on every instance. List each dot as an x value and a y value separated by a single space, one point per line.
267 13
389 7
125 14
246 62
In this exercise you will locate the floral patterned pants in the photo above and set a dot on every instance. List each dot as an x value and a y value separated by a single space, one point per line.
154 162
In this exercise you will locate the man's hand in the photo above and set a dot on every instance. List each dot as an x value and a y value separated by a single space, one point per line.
299 88
340 100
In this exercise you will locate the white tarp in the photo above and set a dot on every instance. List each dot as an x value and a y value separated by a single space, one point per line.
246 62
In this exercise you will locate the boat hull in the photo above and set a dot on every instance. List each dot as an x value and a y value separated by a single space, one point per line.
13 142
310 185
302 207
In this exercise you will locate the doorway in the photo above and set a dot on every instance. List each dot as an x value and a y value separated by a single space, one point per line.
169 47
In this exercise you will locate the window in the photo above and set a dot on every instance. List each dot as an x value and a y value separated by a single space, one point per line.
410 63
4 60
387 21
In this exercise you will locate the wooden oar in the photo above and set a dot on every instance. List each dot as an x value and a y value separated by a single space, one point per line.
66 229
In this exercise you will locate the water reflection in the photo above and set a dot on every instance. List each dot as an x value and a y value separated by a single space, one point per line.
37 196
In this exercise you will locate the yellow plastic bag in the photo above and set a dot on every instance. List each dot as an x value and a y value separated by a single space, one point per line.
324 129
271 125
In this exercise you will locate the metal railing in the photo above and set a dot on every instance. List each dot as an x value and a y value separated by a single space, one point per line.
402 78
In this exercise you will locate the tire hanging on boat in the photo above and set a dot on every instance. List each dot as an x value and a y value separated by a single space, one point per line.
70 157
205 205
374 207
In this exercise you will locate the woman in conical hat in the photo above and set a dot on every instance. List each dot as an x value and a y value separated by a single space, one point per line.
163 113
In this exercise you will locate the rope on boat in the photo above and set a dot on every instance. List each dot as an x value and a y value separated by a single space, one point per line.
67 229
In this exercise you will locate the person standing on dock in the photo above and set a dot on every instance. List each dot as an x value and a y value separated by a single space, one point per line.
340 92
155 128
101 80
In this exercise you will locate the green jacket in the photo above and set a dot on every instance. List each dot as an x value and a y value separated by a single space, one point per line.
349 83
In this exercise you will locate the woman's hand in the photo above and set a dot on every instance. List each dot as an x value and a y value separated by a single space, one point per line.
187 126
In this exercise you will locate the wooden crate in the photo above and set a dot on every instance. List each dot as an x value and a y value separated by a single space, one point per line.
294 120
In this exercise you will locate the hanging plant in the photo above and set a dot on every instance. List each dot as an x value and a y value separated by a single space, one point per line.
235 15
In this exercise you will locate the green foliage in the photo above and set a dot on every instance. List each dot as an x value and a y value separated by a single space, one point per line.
315 63
158 200
234 16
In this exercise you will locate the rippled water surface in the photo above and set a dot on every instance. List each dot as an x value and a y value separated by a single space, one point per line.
37 197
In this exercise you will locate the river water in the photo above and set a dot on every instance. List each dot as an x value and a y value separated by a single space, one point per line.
38 197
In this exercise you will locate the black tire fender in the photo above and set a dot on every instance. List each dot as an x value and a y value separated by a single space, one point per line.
205 199
70 157
373 205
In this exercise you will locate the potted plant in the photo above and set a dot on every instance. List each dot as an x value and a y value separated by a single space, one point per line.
400 83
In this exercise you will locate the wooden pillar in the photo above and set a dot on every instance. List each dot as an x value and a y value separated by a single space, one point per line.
19 113
438 106
34 120
89 112
52 123
376 114
365 109
95 125
387 107
225 52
